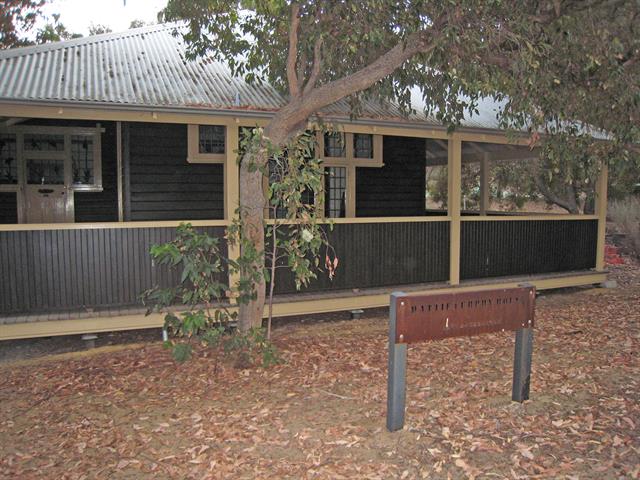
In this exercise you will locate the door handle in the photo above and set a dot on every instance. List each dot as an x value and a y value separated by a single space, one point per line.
45 190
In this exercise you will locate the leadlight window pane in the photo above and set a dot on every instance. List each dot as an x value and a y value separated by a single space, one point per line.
45 171
336 191
334 145
211 139
82 160
362 145
8 160
43 142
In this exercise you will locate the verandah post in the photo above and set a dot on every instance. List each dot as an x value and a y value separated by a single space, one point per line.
601 212
454 173
231 188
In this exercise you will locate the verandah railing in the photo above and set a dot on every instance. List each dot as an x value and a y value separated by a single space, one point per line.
79 266
505 246
68 267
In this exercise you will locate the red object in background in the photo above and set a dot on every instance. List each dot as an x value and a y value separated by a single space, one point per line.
611 255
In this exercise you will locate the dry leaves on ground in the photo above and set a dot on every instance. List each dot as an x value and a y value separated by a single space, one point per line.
136 414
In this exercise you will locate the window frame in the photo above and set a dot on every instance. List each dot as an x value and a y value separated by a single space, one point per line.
193 145
377 161
22 155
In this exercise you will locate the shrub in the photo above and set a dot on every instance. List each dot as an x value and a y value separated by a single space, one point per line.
207 320
625 215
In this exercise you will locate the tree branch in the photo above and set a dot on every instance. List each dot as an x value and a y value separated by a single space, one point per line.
567 204
295 114
317 63
292 78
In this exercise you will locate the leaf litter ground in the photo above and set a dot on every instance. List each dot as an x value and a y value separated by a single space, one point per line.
133 413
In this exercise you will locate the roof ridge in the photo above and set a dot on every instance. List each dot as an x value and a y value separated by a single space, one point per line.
91 39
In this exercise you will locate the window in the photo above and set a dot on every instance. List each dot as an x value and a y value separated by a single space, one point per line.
343 153
362 145
211 139
334 145
276 172
335 192
45 171
207 143
51 155
351 149
82 160
8 160
42 142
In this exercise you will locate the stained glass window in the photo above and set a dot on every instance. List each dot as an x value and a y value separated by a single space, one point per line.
43 142
42 171
82 160
8 160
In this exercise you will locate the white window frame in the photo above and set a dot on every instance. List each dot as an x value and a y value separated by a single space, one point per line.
193 145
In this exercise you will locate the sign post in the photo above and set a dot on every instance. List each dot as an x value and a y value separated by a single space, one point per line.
397 384
418 318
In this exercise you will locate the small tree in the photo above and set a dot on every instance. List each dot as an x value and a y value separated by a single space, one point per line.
208 318
294 225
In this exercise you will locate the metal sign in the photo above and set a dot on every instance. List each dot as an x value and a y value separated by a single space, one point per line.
443 315
418 318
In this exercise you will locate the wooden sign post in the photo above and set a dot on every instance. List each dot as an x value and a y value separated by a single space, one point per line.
418 318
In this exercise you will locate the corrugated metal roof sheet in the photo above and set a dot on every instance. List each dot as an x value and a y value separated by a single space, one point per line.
147 67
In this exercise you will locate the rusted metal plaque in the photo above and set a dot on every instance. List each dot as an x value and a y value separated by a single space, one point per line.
443 315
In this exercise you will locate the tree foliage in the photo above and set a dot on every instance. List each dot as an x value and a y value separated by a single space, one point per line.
17 17
203 296
99 29
560 69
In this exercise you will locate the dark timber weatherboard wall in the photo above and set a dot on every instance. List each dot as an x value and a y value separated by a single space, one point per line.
397 189
517 247
102 206
381 254
8 207
162 184
57 270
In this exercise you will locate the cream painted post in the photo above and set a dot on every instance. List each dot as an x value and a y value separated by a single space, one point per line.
454 172
351 192
119 171
601 212
485 199
232 188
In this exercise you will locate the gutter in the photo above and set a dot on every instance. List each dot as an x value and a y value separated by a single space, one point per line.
245 113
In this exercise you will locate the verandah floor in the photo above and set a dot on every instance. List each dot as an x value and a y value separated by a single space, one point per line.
136 414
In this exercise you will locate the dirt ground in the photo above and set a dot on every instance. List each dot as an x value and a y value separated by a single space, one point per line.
129 412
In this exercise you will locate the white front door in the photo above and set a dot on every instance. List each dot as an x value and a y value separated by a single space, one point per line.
48 198
48 204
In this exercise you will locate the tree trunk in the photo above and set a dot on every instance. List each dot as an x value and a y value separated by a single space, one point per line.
252 216
293 118
252 207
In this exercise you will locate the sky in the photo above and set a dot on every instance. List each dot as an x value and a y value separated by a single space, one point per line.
78 15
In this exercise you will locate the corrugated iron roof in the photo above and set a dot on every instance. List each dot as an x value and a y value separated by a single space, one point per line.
147 67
